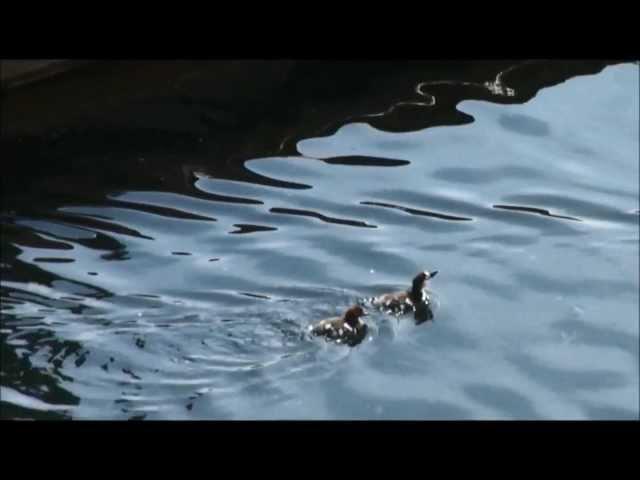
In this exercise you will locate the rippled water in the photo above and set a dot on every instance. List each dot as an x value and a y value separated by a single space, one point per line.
191 302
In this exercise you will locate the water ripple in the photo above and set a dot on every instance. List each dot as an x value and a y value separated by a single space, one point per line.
319 216
416 211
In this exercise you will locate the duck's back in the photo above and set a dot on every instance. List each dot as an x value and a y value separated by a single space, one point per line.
329 327
336 329
394 302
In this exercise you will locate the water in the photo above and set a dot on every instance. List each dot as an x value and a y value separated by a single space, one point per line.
183 289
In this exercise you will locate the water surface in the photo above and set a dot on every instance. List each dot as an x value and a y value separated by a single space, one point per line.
187 296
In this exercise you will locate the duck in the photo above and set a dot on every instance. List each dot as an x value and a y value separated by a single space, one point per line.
413 300
348 329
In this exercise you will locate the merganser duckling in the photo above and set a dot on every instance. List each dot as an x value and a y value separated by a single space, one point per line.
348 329
413 300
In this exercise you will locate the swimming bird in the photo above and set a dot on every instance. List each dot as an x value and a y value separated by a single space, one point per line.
348 329
414 300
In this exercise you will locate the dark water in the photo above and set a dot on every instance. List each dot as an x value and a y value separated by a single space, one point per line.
177 284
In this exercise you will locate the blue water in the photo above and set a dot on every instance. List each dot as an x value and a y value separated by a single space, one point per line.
193 305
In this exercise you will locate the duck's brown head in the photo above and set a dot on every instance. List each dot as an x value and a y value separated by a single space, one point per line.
352 315
420 279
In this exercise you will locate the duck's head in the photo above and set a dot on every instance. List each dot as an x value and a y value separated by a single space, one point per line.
352 316
420 279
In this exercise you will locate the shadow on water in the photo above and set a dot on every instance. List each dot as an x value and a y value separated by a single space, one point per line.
566 380
514 404
103 160
525 125
486 175
347 403
592 287
598 336
353 407
610 413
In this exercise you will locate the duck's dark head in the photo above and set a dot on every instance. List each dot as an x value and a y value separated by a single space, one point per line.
352 316
420 279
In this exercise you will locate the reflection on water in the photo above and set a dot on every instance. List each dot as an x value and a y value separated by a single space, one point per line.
181 292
